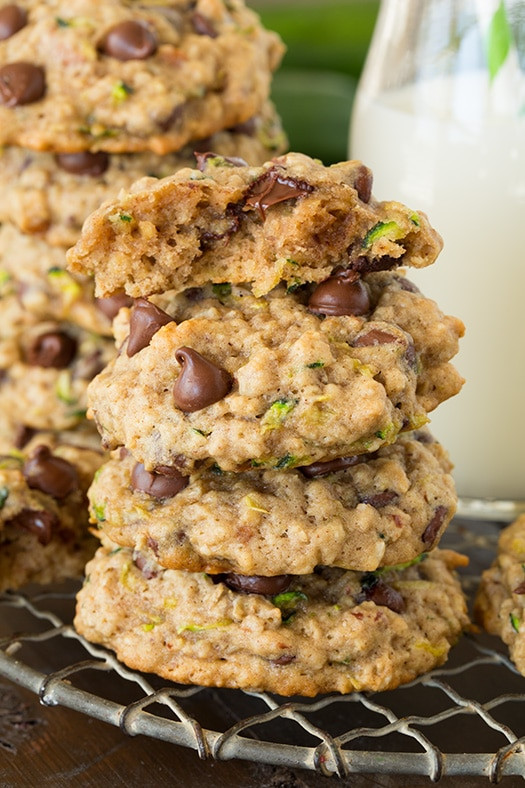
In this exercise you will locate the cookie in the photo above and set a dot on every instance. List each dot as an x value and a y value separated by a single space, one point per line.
500 601
51 195
44 532
122 76
35 285
356 512
331 631
217 375
45 372
290 220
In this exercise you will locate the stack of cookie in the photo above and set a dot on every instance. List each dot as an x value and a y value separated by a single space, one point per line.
270 514
94 96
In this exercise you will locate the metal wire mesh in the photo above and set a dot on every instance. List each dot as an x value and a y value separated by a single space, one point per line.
466 718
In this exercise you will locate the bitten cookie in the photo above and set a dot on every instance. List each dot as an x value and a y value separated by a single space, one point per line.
355 512
500 601
44 535
334 630
51 195
219 375
124 76
45 371
291 220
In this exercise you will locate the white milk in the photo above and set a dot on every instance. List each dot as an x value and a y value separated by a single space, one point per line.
471 182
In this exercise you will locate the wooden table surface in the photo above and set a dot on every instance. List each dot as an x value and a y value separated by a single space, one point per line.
57 746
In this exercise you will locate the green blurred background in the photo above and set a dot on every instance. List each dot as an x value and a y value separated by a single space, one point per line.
314 88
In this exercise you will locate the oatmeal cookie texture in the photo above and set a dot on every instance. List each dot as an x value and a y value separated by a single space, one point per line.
46 369
44 534
217 375
291 220
125 76
500 601
355 512
334 630
49 195
35 285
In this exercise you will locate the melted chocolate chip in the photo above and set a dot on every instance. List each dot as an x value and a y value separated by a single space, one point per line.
520 589
111 305
363 183
411 356
340 296
145 321
83 163
52 475
21 83
431 531
375 590
200 383
38 522
202 25
257 584
274 187
158 485
52 349
202 158
129 40
374 337
332 466
377 500
12 19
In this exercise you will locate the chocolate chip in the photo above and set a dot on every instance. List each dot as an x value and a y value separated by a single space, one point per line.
12 19
83 163
50 474
200 382
158 485
145 321
249 127
374 337
411 356
52 349
406 284
38 522
377 500
21 83
142 563
273 187
338 295
520 589
202 25
23 435
431 531
129 40
202 158
285 659
111 305
423 436
332 466
363 183
257 584
375 590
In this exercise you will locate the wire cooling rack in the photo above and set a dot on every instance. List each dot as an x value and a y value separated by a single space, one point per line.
467 718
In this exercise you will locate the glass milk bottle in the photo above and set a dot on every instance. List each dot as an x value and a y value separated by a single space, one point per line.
440 118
